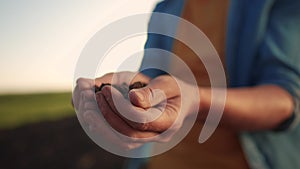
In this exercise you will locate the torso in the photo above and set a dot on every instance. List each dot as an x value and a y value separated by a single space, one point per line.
222 150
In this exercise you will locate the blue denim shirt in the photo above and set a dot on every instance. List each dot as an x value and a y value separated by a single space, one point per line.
262 47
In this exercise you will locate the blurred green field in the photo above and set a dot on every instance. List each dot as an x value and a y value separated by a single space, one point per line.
18 110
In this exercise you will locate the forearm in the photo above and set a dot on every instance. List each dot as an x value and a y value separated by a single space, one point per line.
253 108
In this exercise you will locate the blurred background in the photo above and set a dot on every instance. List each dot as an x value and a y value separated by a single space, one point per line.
40 42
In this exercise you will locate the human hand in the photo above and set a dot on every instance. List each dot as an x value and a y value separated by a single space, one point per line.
161 106
169 98
89 115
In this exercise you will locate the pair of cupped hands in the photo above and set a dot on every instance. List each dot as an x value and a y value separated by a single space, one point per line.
140 115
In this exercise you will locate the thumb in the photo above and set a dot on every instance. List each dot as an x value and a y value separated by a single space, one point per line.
156 92
146 97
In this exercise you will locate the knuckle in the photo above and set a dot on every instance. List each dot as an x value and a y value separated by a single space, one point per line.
79 80
109 74
147 92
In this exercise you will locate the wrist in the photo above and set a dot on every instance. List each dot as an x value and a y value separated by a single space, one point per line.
204 102
192 99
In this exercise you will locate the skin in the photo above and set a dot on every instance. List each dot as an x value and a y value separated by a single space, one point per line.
248 108
252 108
88 108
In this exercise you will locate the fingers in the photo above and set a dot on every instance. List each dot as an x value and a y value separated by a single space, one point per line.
139 77
120 78
99 128
126 110
119 124
104 79
83 85
84 105
88 114
158 90
82 96
156 119
87 109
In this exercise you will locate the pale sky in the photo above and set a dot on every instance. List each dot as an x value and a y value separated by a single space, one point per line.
40 41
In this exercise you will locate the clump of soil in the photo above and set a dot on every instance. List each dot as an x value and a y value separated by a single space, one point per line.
124 88
137 85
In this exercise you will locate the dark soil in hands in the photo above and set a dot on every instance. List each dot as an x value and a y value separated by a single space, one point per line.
124 88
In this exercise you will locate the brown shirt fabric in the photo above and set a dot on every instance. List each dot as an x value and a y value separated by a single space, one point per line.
222 149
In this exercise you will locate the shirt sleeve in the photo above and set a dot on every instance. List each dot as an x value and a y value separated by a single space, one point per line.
153 41
279 54
160 41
